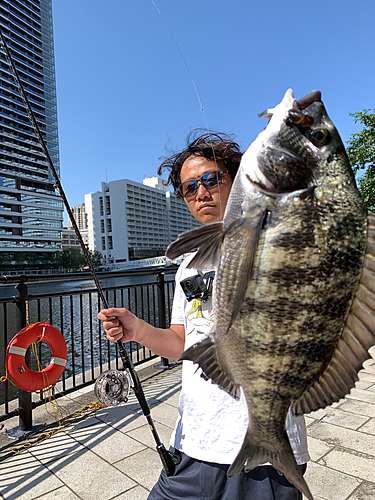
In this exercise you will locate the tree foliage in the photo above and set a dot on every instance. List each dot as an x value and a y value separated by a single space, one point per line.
96 257
70 259
361 152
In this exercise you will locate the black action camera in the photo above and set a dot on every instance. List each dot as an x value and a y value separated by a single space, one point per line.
198 286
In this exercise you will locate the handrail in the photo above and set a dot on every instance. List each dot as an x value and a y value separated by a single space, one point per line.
9 279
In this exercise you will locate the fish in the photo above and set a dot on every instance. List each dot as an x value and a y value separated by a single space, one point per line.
294 289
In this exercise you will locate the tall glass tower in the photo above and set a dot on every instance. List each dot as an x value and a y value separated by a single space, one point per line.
30 208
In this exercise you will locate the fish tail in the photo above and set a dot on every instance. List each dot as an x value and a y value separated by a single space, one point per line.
280 456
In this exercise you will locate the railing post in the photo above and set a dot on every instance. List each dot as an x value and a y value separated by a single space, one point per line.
24 398
162 313
25 426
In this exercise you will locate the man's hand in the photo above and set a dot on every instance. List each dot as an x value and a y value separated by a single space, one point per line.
119 323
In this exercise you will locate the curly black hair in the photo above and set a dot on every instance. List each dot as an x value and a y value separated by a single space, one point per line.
211 145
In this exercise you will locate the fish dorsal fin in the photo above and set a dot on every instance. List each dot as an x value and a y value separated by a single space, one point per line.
356 339
242 240
205 355
206 238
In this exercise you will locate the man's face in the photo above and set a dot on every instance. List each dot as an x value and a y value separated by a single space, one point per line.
206 206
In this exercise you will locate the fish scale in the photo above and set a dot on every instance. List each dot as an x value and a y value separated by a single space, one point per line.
294 291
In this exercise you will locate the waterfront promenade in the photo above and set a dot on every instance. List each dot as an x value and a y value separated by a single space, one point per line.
110 453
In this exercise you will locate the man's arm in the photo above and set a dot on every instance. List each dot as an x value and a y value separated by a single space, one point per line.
119 323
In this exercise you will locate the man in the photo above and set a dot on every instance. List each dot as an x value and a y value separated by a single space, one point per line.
211 425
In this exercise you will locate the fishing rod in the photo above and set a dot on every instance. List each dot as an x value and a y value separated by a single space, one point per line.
111 384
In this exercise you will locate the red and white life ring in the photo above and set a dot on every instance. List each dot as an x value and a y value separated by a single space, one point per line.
30 380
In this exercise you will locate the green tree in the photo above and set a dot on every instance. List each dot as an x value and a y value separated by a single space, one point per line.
361 152
46 260
5 259
72 258
20 258
33 260
96 257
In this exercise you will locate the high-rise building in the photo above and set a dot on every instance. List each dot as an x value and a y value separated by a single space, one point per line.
129 221
80 216
30 208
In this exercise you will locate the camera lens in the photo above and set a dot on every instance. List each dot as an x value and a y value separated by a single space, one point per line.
189 286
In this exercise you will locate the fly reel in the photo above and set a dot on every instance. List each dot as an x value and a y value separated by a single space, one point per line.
112 387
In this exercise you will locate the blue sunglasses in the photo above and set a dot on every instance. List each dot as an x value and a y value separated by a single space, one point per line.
210 180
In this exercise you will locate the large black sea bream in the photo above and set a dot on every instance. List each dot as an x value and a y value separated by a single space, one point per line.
294 292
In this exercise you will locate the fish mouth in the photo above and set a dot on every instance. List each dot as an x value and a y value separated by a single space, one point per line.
274 168
299 105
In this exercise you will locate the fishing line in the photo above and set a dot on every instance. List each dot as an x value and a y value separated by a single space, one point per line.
183 58
195 88
168 459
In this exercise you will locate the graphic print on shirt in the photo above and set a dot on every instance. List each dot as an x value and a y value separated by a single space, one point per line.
200 317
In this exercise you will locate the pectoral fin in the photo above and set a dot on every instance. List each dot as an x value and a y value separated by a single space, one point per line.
239 247
205 355
208 241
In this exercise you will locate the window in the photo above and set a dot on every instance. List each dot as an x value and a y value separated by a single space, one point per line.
6 182
110 243
103 243
42 201
101 206
107 205
109 225
41 211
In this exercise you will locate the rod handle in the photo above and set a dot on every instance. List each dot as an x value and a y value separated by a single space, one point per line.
169 460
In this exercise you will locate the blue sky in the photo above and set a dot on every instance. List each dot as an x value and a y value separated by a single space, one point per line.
124 92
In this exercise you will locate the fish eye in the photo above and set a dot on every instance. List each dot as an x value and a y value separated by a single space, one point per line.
319 137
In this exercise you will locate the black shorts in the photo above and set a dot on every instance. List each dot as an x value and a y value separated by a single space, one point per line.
198 480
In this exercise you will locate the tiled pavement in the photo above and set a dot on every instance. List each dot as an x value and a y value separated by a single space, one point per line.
111 454
342 443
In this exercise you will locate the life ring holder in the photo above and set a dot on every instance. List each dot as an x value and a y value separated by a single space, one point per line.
22 376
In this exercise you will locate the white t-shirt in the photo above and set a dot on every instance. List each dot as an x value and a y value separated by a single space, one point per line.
211 425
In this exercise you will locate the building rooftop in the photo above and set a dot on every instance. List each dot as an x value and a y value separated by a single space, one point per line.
155 182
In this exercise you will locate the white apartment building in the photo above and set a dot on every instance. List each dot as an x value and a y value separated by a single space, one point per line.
69 238
128 220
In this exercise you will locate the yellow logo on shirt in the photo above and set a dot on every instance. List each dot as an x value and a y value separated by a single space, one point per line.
200 317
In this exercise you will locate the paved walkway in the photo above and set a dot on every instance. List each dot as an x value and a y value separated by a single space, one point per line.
110 454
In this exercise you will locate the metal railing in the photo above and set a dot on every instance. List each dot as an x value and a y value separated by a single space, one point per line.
70 303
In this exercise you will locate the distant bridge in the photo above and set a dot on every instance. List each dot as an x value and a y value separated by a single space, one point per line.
143 263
